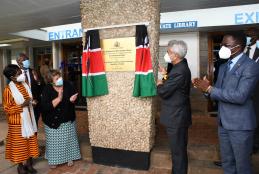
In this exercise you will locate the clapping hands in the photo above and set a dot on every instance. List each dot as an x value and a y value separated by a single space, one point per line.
201 84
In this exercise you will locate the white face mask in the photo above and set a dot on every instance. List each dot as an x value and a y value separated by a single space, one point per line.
167 58
21 78
225 52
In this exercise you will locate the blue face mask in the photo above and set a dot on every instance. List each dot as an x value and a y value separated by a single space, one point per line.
59 82
26 64
257 44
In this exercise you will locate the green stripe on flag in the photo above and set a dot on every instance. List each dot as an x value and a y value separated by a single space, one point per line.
144 85
94 85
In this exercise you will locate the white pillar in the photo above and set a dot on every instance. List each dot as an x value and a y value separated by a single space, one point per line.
3 63
30 54
59 53
56 54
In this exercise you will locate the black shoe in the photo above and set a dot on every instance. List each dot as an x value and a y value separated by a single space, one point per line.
30 170
29 167
218 163
21 169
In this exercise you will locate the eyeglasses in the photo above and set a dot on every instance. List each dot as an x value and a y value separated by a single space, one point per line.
229 46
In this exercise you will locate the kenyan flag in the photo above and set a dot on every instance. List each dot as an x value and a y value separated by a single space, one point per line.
94 82
144 84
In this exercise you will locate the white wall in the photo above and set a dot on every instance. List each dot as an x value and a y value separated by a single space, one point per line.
192 41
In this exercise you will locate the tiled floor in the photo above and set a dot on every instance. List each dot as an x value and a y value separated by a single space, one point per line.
84 167
203 131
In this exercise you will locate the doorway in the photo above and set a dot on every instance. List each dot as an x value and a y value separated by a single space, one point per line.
72 68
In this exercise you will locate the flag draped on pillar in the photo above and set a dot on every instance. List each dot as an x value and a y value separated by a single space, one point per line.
94 82
144 84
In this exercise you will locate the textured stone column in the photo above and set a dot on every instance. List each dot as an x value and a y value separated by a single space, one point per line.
121 126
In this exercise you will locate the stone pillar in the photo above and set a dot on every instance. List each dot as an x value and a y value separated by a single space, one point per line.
121 127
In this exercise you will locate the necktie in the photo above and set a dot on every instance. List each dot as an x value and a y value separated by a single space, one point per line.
26 77
248 51
229 65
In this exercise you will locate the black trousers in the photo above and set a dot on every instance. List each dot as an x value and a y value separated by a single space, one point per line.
178 139
37 113
256 104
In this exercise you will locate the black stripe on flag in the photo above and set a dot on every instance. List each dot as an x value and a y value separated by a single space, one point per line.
141 35
93 36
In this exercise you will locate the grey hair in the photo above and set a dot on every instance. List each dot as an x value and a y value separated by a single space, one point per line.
51 74
178 47
171 43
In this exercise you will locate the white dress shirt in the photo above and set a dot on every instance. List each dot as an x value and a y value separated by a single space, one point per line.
28 75
252 51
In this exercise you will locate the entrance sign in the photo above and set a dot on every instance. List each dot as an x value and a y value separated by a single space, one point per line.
119 54
65 34
60 32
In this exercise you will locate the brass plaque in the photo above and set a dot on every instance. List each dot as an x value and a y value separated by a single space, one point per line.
119 54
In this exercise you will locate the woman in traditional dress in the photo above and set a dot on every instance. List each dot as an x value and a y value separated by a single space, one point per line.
21 142
58 114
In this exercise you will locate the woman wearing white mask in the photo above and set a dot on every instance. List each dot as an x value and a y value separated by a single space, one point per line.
21 144
58 114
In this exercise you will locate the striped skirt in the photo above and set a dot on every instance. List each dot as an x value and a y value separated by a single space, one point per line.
62 144
19 149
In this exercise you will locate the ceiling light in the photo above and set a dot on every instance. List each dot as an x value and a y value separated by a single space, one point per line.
5 45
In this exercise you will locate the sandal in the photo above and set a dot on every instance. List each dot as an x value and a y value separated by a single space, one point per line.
70 163
52 166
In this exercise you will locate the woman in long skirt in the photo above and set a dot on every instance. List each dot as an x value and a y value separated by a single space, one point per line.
58 114
21 142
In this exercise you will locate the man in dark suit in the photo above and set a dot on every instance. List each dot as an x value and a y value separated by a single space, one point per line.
175 106
252 51
234 90
33 80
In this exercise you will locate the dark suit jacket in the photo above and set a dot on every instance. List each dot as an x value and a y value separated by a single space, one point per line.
36 86
36 90
256 54
175 95
233 91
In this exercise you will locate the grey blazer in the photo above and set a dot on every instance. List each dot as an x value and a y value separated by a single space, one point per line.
233 91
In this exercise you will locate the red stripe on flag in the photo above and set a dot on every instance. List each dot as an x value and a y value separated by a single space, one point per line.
143 60
84 62
96 62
